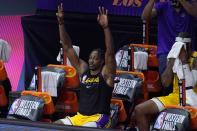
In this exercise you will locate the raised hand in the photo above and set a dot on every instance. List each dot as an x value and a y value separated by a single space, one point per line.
60 14
102 17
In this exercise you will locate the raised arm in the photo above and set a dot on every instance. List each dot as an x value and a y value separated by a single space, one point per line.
109 68
167 76
191 8
79 64
149 11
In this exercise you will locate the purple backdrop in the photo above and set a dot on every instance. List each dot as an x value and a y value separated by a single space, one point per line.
115 7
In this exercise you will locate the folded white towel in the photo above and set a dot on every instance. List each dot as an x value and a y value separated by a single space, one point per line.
77 50
174 53
182 71
140 60
50 82
175 50
5 50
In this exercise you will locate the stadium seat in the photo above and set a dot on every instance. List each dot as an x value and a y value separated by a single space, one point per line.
126 105
67 101
5 87
3 77
48 106
122 112
152 79
151 49
193 114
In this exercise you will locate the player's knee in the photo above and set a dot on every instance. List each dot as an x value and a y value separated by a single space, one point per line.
138 111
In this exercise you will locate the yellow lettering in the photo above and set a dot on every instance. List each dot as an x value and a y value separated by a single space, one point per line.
88 80
97 79
91 80
115 2
127 3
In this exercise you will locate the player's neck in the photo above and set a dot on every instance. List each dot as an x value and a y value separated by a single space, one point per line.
95 72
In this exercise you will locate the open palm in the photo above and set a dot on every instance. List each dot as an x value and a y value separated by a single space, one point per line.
102 17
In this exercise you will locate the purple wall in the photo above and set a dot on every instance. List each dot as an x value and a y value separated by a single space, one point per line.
115 7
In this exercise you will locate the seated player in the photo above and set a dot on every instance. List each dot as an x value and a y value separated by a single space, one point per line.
97 77
177 69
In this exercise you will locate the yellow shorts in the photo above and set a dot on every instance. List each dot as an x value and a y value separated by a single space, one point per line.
100 119
171 99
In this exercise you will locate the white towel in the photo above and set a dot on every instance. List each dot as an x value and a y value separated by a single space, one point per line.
178 68
140 60
174 53
122 58
191 98
77 50
183 73
175 50
5 50
50 82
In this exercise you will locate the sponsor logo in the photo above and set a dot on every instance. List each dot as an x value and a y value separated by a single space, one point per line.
23 107
92 80
123 86
168 121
